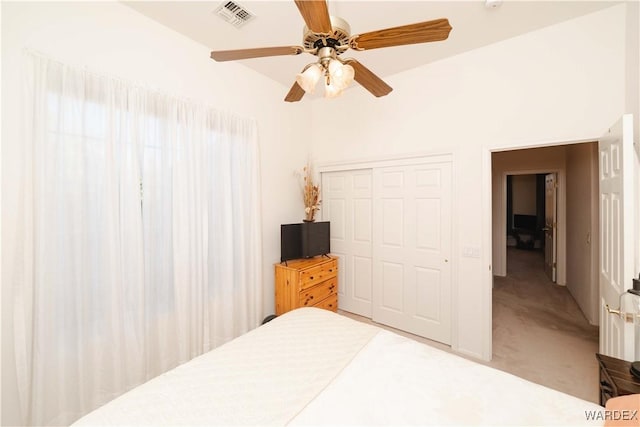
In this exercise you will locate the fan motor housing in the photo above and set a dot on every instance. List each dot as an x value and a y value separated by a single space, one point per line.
339 36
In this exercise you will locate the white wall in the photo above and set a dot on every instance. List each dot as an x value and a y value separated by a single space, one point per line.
632 103
562 83
632 58
110 38
582 228
524 194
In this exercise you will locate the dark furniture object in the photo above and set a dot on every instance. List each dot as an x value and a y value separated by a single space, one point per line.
269 318
615 378
525 231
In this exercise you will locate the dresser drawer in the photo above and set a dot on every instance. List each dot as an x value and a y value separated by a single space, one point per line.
309 297
306 282
312 276
330 303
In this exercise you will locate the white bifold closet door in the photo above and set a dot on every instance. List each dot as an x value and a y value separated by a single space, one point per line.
391 228
412 248
347 204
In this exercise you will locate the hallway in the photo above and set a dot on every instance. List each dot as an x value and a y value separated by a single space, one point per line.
539 332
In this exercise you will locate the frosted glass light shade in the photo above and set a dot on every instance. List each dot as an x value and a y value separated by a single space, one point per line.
309 78
348 73
341 75
332 90
335 68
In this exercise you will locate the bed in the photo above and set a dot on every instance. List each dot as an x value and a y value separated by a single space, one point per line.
315 367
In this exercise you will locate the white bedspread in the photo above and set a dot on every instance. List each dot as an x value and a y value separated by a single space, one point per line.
264 377
313 367
397 381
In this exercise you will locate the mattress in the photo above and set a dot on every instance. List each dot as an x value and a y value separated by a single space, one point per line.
315 367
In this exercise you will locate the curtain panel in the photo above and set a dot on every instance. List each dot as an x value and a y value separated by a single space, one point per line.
138 241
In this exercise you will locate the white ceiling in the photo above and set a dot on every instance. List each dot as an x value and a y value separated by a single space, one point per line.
278 23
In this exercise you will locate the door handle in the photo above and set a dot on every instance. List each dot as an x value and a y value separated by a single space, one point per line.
612 310
546 229
626 317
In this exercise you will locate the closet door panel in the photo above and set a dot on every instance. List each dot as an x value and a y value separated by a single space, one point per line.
362 278
412 248
347 204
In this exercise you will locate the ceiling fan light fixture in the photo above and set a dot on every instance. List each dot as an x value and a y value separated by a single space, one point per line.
308 79
492 4
332 90
337 72
348 74
335 68
326 37
340 76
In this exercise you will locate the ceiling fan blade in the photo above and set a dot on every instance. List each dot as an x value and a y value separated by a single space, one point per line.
230 55
295 93
368 80
422 32
315 14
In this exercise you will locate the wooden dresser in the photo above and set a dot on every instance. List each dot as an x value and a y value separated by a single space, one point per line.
615 378
311 282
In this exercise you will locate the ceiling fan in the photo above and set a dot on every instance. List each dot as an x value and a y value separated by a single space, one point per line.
327 37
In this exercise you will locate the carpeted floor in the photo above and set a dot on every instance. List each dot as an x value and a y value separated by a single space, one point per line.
539 332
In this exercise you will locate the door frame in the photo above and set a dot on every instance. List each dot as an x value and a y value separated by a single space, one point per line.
500 269
551 226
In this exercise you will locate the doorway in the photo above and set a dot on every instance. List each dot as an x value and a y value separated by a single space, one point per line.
539 319
531 209
577 239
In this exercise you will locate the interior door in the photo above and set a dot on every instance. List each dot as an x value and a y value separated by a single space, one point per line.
346 202
616 235
412 249
550 228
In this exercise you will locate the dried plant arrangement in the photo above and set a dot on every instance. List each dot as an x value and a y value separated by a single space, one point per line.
310 194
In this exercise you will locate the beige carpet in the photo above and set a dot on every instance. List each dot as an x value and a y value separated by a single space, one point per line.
539 332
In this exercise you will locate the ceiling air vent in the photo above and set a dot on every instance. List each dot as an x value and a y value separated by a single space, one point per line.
234 13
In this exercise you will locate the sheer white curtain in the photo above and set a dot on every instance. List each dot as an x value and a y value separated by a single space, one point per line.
138 243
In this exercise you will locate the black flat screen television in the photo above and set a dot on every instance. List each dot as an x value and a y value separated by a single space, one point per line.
525 222
290 241
304 240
